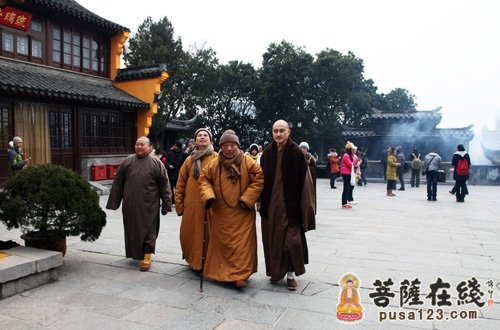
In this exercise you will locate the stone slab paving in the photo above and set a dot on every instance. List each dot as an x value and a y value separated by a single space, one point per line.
404 237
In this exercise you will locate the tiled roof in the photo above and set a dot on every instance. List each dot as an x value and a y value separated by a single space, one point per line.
451 132
465 132
359 133
75 10
141 72
409 115
27 79
179 125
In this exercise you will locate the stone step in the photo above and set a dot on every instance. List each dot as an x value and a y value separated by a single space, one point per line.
26 268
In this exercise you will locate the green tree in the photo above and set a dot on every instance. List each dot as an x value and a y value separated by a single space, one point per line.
231 104
341 96
399 100
285 88
190 73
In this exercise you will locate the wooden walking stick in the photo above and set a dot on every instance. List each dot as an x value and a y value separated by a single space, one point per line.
203 251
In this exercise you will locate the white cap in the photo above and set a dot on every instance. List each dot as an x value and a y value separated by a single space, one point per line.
304 145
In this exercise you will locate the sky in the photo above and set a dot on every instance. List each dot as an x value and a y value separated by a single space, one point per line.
444 52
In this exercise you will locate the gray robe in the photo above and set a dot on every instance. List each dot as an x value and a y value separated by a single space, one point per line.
141 183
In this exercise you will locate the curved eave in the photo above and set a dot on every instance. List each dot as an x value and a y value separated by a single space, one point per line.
73 9
69 97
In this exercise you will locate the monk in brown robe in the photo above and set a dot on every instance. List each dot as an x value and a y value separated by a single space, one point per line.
287 207
230 185
188 201
141 181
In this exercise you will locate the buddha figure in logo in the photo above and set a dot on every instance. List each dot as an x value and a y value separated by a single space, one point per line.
349 308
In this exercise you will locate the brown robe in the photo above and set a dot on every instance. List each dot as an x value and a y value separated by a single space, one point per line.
287 210
232 243
188 204
141 183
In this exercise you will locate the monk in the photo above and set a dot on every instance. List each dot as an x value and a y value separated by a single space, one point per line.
141 182
287 207
230 186
188 200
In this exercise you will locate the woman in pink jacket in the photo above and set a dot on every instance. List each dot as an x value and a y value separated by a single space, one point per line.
348 161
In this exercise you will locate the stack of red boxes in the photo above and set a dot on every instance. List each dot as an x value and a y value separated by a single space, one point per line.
112 170
98 172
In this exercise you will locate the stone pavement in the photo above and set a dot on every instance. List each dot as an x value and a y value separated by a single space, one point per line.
403 237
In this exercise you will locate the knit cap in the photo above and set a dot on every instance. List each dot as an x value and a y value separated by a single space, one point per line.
229 136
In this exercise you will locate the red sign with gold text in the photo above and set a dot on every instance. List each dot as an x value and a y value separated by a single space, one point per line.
15 18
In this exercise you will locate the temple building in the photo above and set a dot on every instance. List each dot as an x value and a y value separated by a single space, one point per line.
409 130
62 89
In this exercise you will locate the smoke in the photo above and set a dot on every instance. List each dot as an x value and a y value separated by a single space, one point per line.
490 139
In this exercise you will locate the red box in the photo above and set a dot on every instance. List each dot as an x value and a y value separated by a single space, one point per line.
98 172
112 170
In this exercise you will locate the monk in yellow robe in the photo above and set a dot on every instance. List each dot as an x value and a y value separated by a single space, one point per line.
187 198
230 186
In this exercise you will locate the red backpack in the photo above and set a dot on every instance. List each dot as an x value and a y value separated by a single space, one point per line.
462 167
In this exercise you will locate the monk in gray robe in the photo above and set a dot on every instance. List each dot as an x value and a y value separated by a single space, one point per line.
287 207
141 181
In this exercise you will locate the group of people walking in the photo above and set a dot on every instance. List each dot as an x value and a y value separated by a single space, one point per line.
216 195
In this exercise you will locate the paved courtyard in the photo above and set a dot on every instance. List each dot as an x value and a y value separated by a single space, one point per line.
404 237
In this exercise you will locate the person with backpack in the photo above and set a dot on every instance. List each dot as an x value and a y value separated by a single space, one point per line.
432 164
461 162
416 166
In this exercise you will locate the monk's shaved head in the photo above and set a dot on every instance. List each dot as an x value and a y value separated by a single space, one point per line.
143 147
144 140
281 122
281 132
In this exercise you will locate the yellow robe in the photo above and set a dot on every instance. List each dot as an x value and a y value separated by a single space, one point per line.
188 204
232 243
392 165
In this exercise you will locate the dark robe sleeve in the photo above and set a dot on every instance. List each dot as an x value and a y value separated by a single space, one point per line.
164 188
116 194
307 203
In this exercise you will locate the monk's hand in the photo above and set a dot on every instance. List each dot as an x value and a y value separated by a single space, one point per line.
210 202
164 210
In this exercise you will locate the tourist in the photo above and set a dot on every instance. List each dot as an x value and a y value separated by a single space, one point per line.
461 164
347 166
383 161
333 159
362 164
392 166
175 159
400 157
416 167
311 162
432 164
16 156
253 152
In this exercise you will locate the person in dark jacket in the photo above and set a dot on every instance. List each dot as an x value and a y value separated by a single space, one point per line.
460 175
175 159
400 157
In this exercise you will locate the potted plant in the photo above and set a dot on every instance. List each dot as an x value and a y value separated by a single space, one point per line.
49 202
